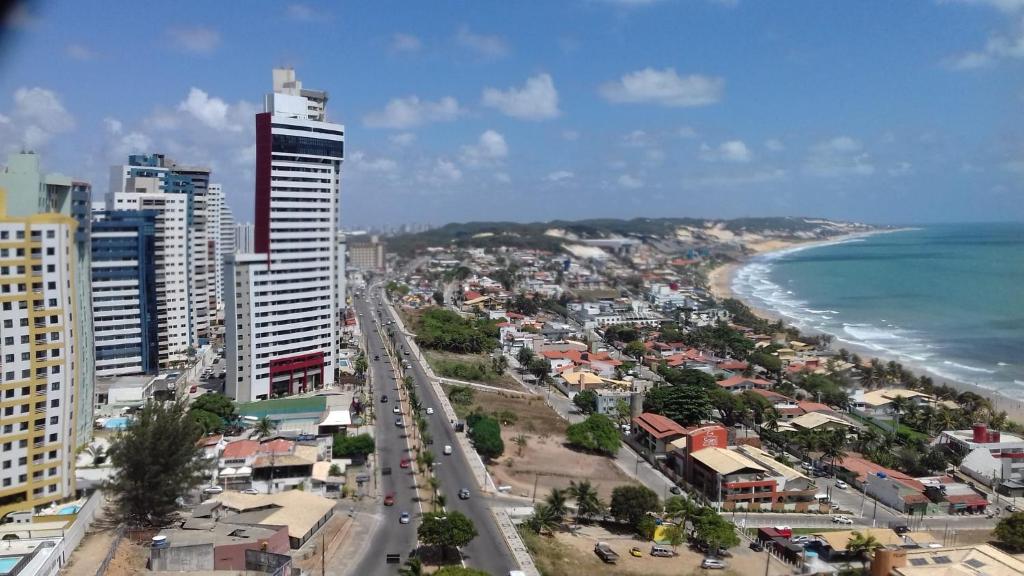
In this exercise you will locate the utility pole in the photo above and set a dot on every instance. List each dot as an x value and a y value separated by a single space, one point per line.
323 554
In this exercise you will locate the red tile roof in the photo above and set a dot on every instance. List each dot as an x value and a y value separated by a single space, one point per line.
471 295
733 365
240 449
658 426
862 468
772 395
739 380
815 407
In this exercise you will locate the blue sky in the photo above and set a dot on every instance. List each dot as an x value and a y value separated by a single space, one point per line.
890 112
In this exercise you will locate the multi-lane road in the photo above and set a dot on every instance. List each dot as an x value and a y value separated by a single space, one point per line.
488 551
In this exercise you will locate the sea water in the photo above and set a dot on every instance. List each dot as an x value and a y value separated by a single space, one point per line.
945 298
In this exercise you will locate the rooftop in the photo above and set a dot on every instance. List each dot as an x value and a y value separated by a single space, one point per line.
300 511
658 426
725 461
984 560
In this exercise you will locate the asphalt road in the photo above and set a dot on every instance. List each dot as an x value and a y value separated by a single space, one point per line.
488 551
391 537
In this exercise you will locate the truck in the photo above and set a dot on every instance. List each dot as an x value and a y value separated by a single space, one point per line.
605 553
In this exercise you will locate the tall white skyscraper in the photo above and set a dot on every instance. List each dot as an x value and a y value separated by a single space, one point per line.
245 237
214 229
281 325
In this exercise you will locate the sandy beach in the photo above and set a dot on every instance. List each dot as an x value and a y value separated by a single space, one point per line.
720 285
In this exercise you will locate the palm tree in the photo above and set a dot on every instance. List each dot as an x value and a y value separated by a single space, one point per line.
543 519
556 501
867 440
680 508
926 418
806 441
948 419
435 483
862 545
521 442
413 567
833 446
97 452
898 405
771 419
587 502
264 427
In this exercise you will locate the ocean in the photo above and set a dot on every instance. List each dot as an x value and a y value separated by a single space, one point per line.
948 299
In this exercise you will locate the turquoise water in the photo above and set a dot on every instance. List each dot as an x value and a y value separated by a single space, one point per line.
72 509
7 564
948 299
116 423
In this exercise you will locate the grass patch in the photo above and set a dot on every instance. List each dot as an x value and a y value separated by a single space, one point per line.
469 367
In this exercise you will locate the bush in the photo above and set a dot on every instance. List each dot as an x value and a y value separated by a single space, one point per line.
461 395
485 433
442 329
597 433
348 446
632 503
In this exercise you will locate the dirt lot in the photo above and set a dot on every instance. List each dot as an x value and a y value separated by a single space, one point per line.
545 459
436 357
567 554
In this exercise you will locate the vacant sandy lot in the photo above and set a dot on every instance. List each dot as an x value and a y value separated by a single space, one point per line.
574 554
544 459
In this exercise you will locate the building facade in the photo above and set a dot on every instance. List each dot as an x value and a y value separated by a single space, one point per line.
123 300
281 326
215 263
366 252
38 345
245 238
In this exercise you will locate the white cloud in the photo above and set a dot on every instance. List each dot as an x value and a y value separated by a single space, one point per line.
410 112
729 151
839 157
560 175
1015 166
664 87
482 44
637 138
570 135
245 156
686 132
1004 5
304 13
38 115
113 125
654 156
774 145
79 52
630 182
901 169
130 143
405 43
502 177
490 147
212 112
443 172
736 180
536 100
998 47
194 39
403 139
384 166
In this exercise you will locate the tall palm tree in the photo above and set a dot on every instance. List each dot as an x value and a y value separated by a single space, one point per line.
435 483
521 442
862 545
948 419
556 501
771 419
680 508
543 520
264 427
833 446
413 567
867 440
587 502
899 405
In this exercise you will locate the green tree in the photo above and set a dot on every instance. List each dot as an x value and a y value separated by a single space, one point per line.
687 405
635 349
521 443
461 395
862 545
207 421
646 527
264 427
524 356
485 433
97 453
710 527
675 535
556 501
334 470
358 445
361 365
631 503
218 404
731 406
446 530
588 504
544 519
413 567
438 297
1010 532
833 445
597 433
540 368
586 401
679 508
156 461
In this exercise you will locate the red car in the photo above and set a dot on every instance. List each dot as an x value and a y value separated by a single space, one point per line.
404 463
193 389
389 500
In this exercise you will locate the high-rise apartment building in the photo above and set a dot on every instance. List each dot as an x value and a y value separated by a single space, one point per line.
227 238
39 342
365 252
281 326
215 263
31 192
145 184
245 238
123 280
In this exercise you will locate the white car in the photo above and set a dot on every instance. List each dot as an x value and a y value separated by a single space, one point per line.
841 520
212 490
251 491
712 564
430 411
841 485
447 449
397 410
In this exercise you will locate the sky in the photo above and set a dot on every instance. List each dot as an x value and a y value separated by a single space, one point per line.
878 111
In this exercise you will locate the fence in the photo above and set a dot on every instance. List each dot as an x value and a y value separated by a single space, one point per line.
102 570
83 520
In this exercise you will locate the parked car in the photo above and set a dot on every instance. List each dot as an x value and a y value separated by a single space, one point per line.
389 500
662 551
404 463
250 491
192 389
212 490
675 490
404 518
1012 509
430 411
384 399
397 409
712 564
447 449
399 423
376 357
841 520
800 539
464 494
756 546
841 485
634 551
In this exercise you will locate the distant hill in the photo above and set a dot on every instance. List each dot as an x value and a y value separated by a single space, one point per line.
555 234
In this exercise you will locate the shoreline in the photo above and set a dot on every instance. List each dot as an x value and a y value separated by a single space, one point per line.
720 280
